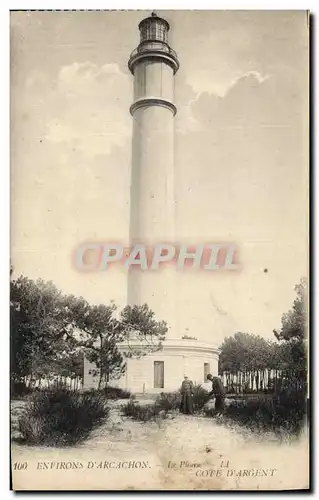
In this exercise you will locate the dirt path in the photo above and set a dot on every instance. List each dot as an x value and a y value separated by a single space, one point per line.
179 453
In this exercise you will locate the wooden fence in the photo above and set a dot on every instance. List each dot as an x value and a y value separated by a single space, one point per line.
73 384
254 381
235 383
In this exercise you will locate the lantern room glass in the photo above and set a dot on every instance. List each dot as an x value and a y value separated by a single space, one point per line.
154 30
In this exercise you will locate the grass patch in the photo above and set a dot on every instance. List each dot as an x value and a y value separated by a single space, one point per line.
61 417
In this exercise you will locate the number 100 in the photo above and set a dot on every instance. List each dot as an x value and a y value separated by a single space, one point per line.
20 465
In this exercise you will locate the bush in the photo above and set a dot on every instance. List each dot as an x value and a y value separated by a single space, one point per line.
286 412
144 413
293 406
200 398
111 393
61 417
116 393
169 401
19 390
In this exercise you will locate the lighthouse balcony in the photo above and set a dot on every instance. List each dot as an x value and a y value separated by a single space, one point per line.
154 45
153 50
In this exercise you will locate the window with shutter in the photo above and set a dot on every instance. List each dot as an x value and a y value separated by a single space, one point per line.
159 374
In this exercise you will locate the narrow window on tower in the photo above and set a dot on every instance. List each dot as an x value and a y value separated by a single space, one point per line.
206 371
153 32
161 33
147 32
158 374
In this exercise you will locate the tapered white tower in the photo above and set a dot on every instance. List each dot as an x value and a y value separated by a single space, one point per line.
153 64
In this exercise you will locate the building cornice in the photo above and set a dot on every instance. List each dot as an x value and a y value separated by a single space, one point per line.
174 346
152 101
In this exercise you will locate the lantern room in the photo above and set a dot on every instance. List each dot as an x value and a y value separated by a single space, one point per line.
154 29
153 44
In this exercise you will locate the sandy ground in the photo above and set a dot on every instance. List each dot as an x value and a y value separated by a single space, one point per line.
181 453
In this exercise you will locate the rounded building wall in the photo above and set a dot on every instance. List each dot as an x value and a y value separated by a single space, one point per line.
140 376
164 370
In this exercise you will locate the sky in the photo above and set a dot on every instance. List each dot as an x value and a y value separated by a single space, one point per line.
241 154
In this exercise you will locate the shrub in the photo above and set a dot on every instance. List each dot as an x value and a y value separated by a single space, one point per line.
293 408
61 417
19 390
262 414
169 401
116 393
200 398
144 413
111 393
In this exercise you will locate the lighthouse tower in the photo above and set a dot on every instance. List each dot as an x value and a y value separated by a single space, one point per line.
152 210
153 65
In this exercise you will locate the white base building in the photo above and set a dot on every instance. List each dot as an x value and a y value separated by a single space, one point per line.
164 370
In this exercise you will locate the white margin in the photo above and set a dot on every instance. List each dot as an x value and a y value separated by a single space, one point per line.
4 179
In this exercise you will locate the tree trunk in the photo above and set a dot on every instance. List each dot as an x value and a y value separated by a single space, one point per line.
100 379
101 363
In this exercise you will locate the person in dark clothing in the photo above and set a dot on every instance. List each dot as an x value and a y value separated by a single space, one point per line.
187 392
218 392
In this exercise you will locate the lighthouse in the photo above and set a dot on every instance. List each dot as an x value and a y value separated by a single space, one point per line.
153 65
